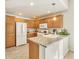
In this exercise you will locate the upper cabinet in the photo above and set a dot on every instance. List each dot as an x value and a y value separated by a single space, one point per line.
58 22
30 24
20 20
53 22
36 23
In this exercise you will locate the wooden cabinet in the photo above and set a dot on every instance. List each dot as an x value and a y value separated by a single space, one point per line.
58 23
36 23
33 24
31 34
10 31
20 20
30 24
43 21
48 21
33 50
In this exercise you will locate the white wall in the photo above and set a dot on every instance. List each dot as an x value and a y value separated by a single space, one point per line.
69 22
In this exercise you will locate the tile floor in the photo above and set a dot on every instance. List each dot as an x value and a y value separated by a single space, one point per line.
21 52
70 55
17 52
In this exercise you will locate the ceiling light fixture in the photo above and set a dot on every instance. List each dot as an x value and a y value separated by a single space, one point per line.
48 11
31 4
54 18
20 14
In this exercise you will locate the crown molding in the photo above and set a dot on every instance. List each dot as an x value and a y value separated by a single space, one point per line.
18 16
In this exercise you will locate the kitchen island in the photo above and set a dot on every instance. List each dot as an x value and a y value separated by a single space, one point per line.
48 47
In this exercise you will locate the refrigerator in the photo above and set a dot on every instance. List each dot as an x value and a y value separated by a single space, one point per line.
21 33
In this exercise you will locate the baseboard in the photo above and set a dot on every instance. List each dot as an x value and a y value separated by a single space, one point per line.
66 52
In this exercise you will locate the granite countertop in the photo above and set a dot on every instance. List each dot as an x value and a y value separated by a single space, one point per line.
46 40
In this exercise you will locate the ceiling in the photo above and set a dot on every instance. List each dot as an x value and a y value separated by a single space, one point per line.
30 8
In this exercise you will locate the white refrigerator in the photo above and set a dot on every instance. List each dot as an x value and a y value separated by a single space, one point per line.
21 33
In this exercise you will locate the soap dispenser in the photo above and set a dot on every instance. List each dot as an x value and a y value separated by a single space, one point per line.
54 31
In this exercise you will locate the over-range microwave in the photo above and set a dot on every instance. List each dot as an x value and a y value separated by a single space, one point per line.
43 25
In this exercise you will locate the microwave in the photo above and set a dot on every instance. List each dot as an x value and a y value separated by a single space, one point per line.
44 25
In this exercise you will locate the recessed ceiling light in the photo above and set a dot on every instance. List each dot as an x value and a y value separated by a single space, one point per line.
54 18
48 11
31 4
20 14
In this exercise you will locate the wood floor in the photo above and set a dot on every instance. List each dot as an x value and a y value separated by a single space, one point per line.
21 52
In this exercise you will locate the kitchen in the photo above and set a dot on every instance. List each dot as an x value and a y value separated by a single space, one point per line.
37 30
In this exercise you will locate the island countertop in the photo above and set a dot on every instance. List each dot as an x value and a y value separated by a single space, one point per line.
46 40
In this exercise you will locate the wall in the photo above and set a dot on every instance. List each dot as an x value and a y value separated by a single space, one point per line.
69 22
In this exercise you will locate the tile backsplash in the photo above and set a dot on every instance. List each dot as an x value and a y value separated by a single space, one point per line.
50 30
31 30
57 29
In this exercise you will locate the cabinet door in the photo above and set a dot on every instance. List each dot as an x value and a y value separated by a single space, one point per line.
30 24
58 23
36 23
65 45
61 56
41 52
10 40
51 52
10 31
33 50
50 23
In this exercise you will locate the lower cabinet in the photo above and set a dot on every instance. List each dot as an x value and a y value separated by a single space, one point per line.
61 56
55 50
49 52
65 45
41 52
31 34
33 50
